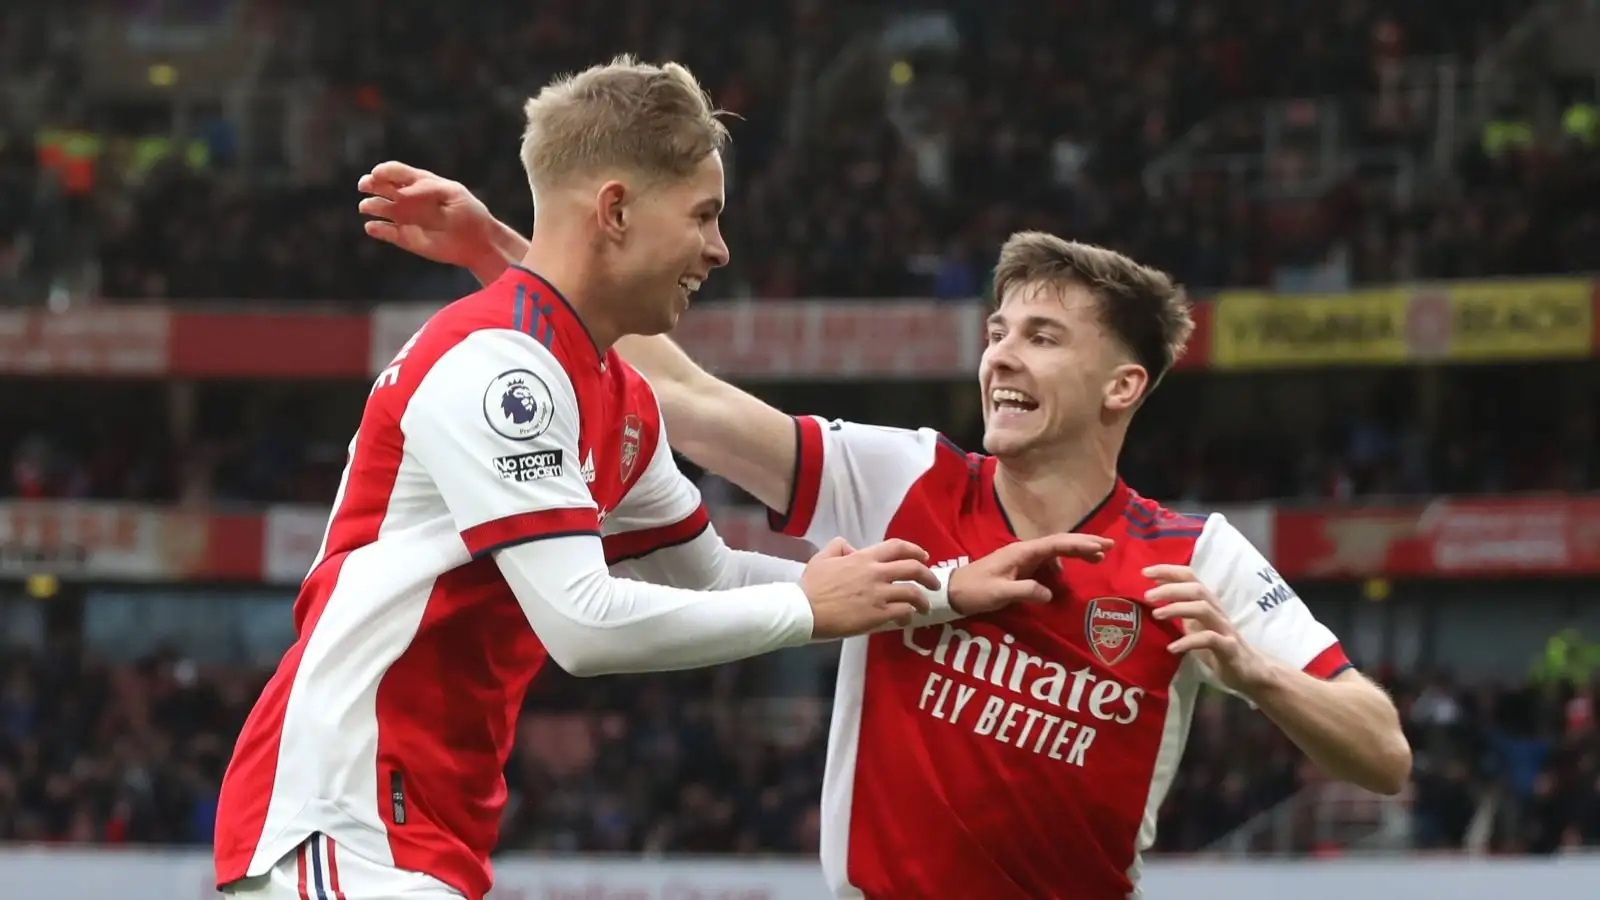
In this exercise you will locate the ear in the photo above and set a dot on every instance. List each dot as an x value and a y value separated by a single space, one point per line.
611 209
1126 387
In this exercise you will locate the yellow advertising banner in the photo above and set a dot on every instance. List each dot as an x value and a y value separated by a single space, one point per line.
1467 321
1252 329
1541 318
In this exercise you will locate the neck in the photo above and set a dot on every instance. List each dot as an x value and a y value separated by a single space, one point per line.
563 262
1052 492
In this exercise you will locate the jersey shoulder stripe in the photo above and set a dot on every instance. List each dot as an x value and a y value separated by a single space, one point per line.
951 480
533 315
1147 520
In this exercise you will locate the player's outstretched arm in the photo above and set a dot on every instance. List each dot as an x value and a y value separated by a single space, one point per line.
1007 576
1255 636
594 624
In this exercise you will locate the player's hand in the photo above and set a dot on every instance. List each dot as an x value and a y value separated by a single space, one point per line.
431 216
856 591
1207 632
1008 575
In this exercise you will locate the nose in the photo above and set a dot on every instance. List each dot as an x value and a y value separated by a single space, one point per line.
717 252
999 357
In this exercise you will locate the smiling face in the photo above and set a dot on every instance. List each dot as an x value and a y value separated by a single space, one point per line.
632 152
669 243
1051 371
1080 337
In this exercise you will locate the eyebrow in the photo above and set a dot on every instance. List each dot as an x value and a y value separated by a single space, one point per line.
1033 323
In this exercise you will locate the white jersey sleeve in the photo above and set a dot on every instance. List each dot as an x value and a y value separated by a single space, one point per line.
1265 610
494 424
850 480
705 562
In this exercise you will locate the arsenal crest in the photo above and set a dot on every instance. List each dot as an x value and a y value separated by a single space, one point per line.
1112 624
632 435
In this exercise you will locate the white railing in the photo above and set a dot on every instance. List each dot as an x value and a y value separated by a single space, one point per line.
1322 817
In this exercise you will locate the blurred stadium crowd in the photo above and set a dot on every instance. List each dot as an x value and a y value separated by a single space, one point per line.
1067 105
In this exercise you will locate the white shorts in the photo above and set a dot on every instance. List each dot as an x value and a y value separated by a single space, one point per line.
319 870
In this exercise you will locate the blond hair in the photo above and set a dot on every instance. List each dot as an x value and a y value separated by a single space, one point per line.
1142 307
655 121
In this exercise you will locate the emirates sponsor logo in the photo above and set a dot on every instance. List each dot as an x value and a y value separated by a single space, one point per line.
1024 701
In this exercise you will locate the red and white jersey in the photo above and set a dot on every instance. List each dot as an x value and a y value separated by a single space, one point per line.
1021 754
389 722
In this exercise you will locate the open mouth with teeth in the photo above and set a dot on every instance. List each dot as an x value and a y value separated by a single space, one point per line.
1010 400
689 284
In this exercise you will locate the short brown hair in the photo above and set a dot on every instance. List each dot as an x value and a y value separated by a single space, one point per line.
654 120
1141 306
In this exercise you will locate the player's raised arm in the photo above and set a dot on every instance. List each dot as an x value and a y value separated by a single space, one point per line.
512 484
1257 638
827 480
823 480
